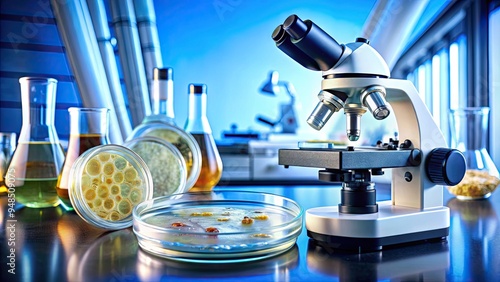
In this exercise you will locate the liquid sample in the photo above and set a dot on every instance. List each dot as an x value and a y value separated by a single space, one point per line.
211 163
37 193
35 168
76 146
3 170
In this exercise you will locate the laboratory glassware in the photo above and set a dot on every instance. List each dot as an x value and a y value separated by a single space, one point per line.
198 125
88 129
469 128
38 158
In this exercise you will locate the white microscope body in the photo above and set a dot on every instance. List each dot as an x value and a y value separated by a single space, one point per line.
356 79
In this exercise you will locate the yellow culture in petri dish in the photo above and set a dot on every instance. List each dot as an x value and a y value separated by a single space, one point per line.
106 183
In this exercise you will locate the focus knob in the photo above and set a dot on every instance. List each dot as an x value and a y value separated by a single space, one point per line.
446 166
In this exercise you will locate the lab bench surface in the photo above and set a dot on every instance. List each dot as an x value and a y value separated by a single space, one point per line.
54 245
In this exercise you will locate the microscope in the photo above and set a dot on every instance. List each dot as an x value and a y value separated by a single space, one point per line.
357 79
287 120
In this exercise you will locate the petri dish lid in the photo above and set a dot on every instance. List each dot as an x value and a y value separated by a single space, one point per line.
218 227
165 162
186 144
105 184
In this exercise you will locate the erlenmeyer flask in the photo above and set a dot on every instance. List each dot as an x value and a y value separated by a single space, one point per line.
197 124
161 124
469 133
88 128
38 158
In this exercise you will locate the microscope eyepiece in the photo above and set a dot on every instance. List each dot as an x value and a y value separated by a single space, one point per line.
295 27
313 42
279 34
283 42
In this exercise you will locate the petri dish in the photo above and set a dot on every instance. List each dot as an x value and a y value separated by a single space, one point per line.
105 184
218 226
181 139
165 162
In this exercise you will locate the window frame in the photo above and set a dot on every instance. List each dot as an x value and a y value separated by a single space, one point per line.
469 18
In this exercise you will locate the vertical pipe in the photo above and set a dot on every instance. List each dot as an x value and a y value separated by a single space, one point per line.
77 33
391 23
148 34
99 19
129 48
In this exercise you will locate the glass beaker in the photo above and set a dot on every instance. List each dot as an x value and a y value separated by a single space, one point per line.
197 124
88 128
469 128
39 156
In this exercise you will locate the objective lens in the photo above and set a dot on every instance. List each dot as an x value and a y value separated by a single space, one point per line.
329 103
320 115
374 99
353 122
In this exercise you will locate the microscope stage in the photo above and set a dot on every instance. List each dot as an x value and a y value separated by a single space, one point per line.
367 232
358 158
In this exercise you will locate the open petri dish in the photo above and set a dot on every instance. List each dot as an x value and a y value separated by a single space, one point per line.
165 162
218 227
105 184
181 139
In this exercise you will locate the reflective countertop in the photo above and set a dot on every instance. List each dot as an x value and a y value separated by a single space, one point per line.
53 245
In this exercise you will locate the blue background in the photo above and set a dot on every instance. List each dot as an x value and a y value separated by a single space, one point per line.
225 44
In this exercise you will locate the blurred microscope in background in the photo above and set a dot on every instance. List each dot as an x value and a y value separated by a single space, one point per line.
287 120
252 156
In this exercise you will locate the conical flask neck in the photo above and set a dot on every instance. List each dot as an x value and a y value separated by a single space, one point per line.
38 107
197 121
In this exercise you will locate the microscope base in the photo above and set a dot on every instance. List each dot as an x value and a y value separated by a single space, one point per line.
370 232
